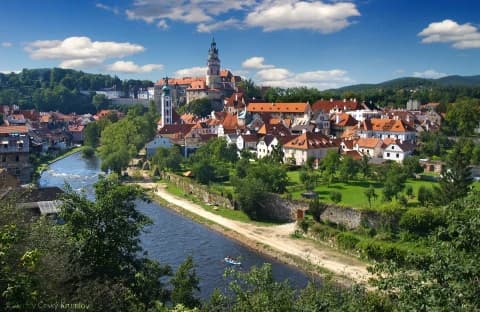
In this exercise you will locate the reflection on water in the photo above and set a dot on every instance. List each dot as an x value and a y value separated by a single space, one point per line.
171 237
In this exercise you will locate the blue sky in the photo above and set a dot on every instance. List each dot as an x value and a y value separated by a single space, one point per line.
323 44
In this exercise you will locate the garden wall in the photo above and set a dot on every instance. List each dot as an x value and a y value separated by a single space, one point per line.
281 209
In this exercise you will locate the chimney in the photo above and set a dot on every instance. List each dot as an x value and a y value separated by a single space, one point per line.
344 100
331 100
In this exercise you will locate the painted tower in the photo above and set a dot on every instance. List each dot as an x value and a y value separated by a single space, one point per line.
213 64
166 102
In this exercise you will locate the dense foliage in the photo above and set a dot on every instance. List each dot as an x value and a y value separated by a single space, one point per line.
58 89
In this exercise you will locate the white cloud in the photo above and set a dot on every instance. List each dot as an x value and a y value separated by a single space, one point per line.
132 68
187 11
321 79
255 62
6 72
212 15
7 44
80 52
191 72
290 14
162 24
108 8
274 74
463 36
230 23
429 74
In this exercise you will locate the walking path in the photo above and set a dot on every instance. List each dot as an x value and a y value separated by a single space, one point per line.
277 237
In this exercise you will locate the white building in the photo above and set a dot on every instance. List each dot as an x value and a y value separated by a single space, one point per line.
398 151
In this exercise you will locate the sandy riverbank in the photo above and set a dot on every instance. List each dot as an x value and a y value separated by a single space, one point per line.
274 240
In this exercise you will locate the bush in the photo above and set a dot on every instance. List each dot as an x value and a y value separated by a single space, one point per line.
382 251
336 197
421 221
316 208
88 151
323 232
347 240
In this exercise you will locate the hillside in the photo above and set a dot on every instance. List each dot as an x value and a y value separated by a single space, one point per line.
413 83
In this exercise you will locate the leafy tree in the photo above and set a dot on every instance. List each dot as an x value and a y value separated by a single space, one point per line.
330 164
91 134
348 168
200 107
185 285
250 194
463 116
100 101
204 171
425 196
371 195
364 166
316 208
168 159
412 165
447 278
456 177
395 181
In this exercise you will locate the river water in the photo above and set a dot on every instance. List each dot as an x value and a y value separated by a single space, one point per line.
172 237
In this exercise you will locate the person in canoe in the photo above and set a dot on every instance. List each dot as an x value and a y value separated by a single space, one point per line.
231 260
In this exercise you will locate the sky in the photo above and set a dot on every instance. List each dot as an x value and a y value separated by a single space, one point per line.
285 43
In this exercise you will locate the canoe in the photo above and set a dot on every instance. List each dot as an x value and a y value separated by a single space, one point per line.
232 261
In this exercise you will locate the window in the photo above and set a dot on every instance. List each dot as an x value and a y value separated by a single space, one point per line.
17 171
398 155
4 158
393 147
388 154
17 158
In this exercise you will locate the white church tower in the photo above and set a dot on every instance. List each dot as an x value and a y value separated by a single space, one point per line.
166 102
213 64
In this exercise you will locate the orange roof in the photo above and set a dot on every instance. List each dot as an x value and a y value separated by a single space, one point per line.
309 140
75 128
13 129
327 105
199 84
225 73
345 120
278 107
369 142
230 121
391 125
180 81
189 118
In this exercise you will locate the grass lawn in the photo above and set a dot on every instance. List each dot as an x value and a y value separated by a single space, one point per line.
353 193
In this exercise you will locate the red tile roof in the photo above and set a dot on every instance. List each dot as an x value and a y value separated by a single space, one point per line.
309 140
13 129
278 107
327 105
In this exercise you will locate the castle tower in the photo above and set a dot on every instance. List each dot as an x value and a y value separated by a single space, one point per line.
166 104
213 64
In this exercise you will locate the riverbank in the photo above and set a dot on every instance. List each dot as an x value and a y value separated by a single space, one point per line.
43 165
275 241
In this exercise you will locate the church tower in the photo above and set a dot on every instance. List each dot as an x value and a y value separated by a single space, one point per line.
166 102
213 64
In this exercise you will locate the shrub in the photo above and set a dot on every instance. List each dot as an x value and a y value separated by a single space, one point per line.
88 151
421 221
347 240
336 197
323 232
316 208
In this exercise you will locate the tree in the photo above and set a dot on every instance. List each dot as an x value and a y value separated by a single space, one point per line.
250 194
364 166
456 177
371 195
348 168
446 279
100 101
330 164
91 134
185 285
424 196
316 208
200 107
105 238
463 116
167 159
412 165
395 181
203 171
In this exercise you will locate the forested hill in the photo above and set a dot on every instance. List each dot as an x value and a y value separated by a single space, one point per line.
413 83
59 89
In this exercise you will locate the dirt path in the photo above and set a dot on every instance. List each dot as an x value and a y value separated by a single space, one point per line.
277 237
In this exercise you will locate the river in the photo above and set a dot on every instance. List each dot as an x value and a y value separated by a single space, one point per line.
172 237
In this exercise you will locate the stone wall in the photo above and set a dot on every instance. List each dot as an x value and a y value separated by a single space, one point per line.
285 210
